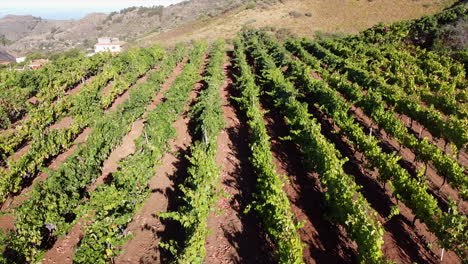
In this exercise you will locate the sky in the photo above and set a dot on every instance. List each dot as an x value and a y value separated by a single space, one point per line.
71 9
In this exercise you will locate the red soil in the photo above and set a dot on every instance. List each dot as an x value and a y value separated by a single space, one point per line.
33 100
143 247
324 242
415 127
236 237
125 149
20 152
108 87
403 242
434 181
77 88
63 249
123 97
14 201
64 123
7 222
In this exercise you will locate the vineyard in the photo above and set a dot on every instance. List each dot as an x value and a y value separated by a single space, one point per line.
252 150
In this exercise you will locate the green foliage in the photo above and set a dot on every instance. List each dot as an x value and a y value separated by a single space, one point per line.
200 190
423 32
54 201
448 227
81 106
453 130
128 189
357 217
46 83
151 11
271 202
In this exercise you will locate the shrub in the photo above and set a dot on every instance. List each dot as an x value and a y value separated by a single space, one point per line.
250 21
117 20
284 33
295 14
308 14
268 28
250 5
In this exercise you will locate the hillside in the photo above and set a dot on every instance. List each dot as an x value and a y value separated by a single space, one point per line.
300 18
207 19
255 149
5 56
28 33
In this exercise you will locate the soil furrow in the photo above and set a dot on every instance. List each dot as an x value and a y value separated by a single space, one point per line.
63 249
67 121
123 97
434 181
33 100
236 237
14 201
146 226
404 242
324 241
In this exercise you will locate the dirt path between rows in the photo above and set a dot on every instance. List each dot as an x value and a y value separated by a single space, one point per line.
14 201
434 181
419 234
33 100
236 236
67 121
146 225
63 250
402 242
324 241
125 95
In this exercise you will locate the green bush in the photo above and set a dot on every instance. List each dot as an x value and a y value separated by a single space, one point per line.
250 5
295 14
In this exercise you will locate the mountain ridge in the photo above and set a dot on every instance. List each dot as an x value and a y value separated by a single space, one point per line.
27 33
145 26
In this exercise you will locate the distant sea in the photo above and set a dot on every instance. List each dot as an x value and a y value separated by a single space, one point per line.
57 14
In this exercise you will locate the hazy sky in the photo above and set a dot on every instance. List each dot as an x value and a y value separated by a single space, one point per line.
71 9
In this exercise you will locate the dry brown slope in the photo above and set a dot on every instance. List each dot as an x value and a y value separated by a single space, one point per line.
335 16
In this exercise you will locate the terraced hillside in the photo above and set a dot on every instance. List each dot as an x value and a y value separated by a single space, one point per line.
343 150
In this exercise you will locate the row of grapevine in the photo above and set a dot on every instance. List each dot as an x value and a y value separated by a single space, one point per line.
53 205
128 189
200 190
400 68
453 130
47 112
85 104
46 84
271 202
348 206
423 149
449 227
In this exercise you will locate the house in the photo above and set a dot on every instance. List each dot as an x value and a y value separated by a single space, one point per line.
37 64
108 44
20 59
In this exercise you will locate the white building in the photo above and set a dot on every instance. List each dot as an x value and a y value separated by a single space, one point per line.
20 59
108 44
